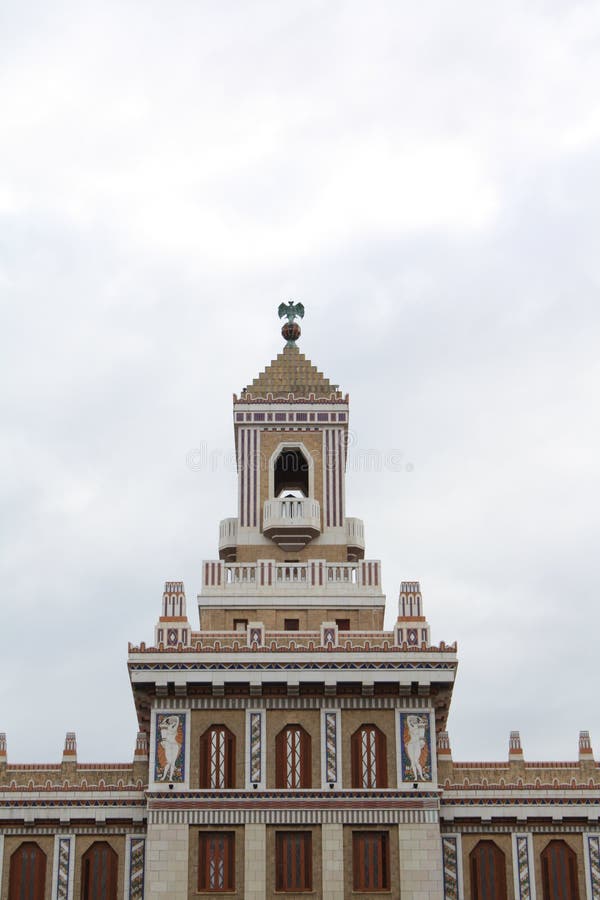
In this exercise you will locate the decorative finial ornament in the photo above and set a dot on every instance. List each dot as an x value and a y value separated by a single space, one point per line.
291 330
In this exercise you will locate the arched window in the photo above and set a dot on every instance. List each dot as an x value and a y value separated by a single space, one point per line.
291 472
559 872
488 872
27 873
217 758
293 758
369 762
99 873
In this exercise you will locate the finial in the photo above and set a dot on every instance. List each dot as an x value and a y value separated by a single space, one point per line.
70 750
291 330
515 749
141 745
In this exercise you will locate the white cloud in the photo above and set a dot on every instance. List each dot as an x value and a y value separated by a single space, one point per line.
425 174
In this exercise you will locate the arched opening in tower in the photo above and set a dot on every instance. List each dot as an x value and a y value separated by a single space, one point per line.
291 473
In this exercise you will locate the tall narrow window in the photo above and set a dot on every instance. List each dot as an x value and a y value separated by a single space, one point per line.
293 758
27 873
99 873
488 872
217 758
371 860
559 872
293 861
291 472
369 763
216 861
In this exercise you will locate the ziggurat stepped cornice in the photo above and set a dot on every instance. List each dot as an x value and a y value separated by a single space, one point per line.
291 744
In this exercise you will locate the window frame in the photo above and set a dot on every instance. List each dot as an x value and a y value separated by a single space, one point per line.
109 892
19 879
377 761
294 846
203 880
570 871
206 759
487 865
371 843
294 738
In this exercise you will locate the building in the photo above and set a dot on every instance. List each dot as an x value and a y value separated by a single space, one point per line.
290 745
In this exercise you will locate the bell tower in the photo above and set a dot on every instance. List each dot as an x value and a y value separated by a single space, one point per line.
291 530
291 430
292 739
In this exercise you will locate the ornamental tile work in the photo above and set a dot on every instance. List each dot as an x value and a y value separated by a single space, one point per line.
136 869
255 747
593 843
450 857
415 747
169 755
64 861
331 747
523 870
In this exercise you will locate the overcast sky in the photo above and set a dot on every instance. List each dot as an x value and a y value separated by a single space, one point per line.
425 179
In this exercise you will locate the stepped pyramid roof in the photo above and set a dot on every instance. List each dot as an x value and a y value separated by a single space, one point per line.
291 373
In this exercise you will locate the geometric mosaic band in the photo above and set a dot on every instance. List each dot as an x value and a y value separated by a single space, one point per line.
64 866
593 843
331 747
229 817
450 861
523 868
255 747
136 868
291 702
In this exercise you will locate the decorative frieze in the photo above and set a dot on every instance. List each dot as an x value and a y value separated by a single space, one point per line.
290 702
301 816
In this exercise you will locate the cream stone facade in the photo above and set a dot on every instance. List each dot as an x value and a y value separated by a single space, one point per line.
290 745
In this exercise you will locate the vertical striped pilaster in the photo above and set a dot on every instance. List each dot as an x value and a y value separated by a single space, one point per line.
592 865
331 766
255 752
523 873
334 462
452 867
64 865
135 860
249 477
1 856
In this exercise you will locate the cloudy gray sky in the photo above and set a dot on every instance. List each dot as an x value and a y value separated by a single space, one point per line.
425 178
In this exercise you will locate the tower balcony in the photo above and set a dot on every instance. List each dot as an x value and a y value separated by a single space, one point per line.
228 531
292 522
355 538
270 578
